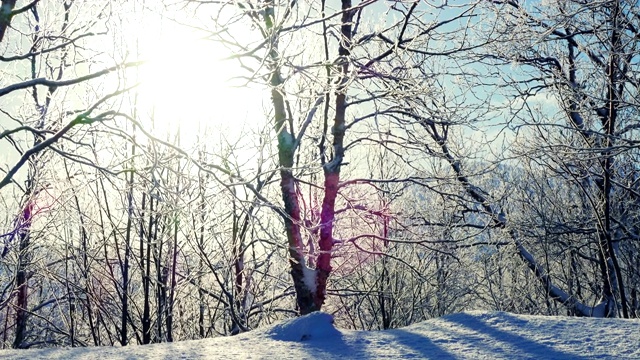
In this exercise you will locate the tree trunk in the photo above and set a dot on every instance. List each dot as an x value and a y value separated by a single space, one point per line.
5 16
22 285
286 149
124 265
310 284
145 263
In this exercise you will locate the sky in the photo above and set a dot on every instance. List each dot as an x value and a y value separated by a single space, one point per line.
469 335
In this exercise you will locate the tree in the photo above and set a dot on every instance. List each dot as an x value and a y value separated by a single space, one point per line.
272 20
581 57
38 124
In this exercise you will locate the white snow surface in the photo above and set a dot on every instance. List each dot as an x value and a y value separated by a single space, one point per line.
469 335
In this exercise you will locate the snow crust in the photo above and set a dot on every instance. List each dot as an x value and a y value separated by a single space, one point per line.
469 335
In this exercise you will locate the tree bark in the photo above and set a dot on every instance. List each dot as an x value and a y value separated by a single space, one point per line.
6 13
331 169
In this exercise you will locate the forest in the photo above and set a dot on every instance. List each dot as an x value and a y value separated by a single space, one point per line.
184 169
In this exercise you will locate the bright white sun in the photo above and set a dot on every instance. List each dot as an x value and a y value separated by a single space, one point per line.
186 85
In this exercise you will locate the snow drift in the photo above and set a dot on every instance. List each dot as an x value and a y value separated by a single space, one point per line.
314 326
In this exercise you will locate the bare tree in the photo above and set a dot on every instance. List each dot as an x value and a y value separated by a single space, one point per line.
580 57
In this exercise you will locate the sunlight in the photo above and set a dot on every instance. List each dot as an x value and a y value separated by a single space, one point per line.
185 85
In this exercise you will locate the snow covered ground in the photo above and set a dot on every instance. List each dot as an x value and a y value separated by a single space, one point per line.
470 335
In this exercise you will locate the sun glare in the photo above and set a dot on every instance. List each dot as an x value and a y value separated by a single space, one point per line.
185 86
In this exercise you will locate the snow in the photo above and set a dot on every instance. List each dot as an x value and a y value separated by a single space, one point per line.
470 335
309 278
314 326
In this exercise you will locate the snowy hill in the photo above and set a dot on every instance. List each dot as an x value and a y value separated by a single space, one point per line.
471 335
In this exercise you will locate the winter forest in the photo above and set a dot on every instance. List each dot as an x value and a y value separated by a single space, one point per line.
183 169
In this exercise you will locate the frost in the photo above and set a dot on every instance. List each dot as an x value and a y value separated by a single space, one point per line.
309 278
